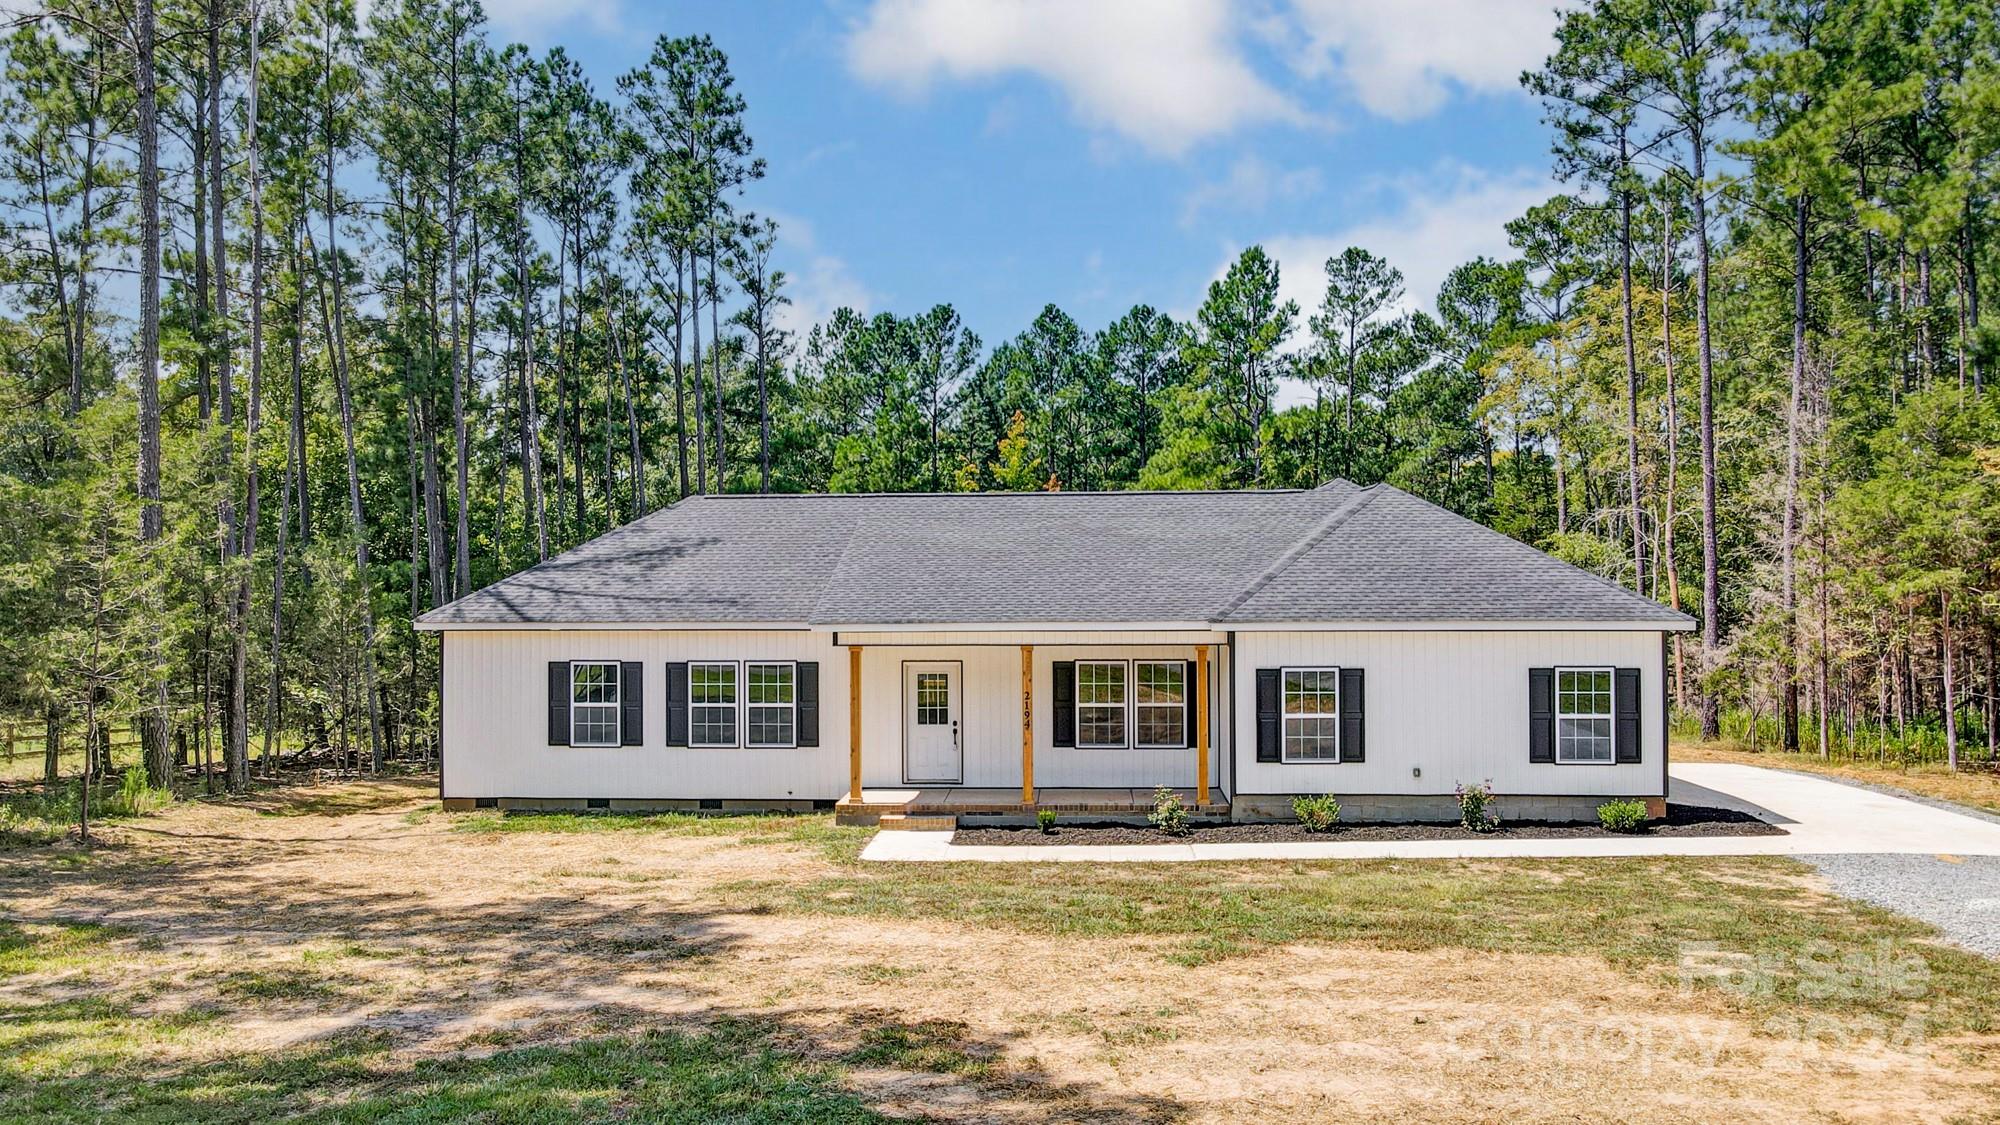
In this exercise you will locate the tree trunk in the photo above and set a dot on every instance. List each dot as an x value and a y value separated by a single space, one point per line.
637 454
700 397
1668 555
1950 686
1631 386
159 761
52 747
240 617
531 423
1788 664
461 357
715 348
344 388
763 409
1711 586
680 381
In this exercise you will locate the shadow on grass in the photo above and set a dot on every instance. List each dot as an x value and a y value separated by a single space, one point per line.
84 1040
733 1070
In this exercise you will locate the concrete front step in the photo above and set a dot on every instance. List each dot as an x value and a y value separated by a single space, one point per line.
907 823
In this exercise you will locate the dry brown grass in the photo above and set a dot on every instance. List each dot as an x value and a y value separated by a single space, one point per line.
1974 786
269 930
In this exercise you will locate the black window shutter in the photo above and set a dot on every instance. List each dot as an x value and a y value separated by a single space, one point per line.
631 703
558 703
808 700
1625 706
677 704
1192 737
1541 714
1064 710
1352 727
1270 701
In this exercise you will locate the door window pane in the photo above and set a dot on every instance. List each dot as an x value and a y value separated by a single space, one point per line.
933 699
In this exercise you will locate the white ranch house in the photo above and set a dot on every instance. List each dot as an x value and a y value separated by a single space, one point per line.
1001 653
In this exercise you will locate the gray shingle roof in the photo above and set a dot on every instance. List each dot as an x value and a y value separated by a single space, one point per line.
1336 553
1390 556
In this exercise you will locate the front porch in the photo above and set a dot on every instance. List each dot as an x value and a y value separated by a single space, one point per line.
994 724
1106 803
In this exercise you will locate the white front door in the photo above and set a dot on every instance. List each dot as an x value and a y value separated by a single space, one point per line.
932 751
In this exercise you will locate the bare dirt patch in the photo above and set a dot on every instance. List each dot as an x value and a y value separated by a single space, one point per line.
265 929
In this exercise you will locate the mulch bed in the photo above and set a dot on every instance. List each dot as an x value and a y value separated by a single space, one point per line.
1681 820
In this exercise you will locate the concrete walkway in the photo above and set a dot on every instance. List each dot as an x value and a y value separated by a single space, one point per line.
1820 817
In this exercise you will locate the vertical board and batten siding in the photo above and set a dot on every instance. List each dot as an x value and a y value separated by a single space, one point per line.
496 696
990 715
496 727
1453 704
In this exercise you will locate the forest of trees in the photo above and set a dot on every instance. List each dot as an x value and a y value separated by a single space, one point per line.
309 325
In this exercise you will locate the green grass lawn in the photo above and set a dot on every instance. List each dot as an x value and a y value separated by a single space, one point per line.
102 1023
83 1060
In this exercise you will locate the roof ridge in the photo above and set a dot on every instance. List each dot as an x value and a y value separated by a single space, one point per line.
629 527
818 613
1325 527
997 493
1590 574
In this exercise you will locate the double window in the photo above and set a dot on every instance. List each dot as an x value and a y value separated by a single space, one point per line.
593 703
753 704
1584 715
1311 714
1139 703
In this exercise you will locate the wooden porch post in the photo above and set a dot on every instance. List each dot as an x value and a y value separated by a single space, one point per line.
854 724
1201 722
1027 724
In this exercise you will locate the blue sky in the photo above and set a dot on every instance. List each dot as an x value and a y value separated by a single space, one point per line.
1101 153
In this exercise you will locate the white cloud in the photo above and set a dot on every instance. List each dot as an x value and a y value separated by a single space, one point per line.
1402 59
1251 185
534 21
1445 220
1165 73
816 281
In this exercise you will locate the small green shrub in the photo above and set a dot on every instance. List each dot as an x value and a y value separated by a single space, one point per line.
1316 814
1170 814
1622 816
1475 806
1045 819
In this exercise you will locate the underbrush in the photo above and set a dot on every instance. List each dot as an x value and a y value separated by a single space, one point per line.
45 814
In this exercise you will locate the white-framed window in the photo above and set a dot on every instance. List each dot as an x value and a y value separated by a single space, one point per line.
712 699
1584 716
1159 704
1311 714
593 703
1100 704
770 704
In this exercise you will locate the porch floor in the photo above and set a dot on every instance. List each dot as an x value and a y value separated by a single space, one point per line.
956 800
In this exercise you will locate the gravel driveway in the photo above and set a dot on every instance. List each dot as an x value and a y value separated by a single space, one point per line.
1958 894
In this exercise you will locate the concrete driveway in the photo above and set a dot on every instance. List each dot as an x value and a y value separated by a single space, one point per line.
1820 817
